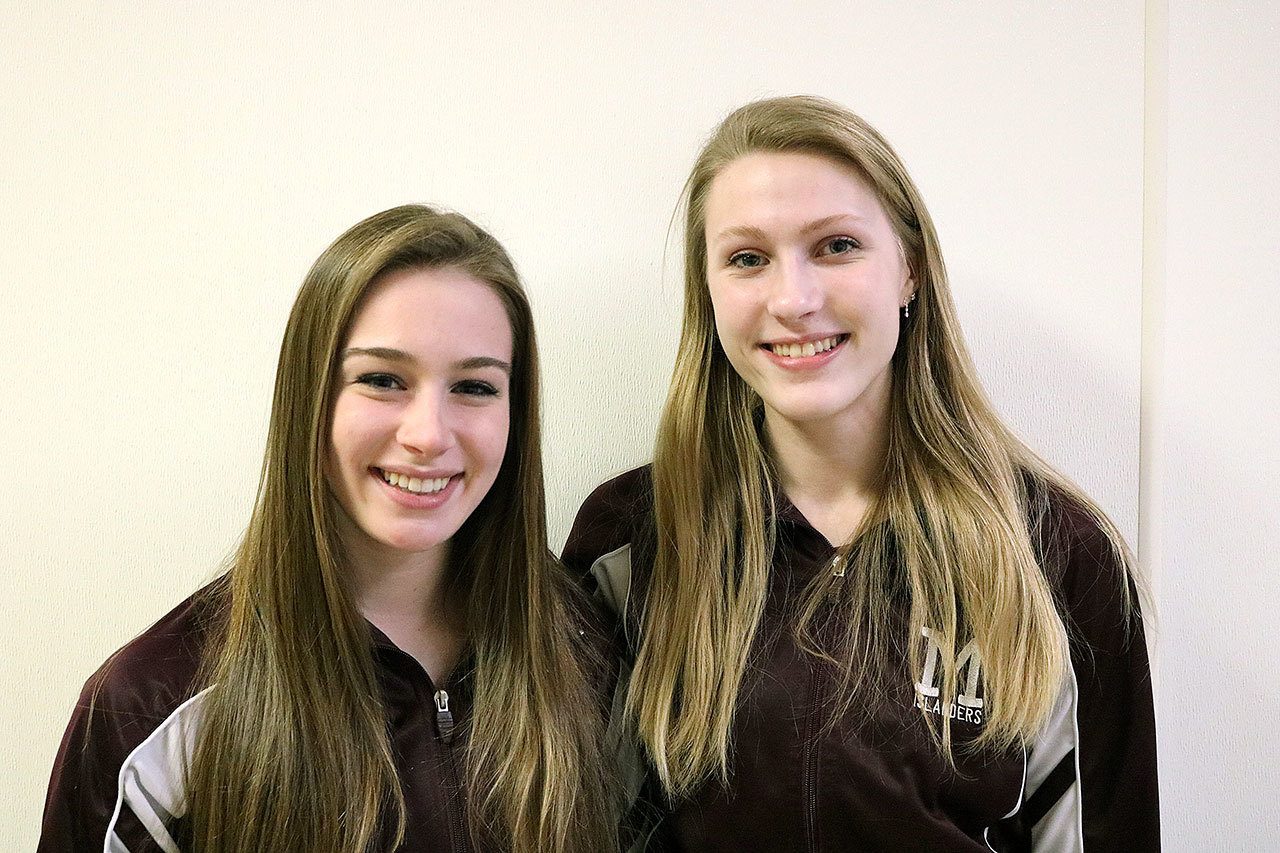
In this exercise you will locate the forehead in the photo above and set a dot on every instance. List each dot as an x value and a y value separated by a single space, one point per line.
432 311
766 187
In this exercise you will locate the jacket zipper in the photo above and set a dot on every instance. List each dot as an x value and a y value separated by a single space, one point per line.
445 728
809 751
838 564
809 761
444 718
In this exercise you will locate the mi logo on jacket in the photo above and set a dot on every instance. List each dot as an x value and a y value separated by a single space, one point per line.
967 705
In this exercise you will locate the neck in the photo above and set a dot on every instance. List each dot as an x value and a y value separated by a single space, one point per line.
407 597
832 469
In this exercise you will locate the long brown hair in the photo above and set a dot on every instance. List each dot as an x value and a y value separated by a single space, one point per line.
951 531
292 752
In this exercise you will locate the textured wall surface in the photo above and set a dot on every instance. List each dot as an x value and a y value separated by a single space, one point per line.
1218 454
170 175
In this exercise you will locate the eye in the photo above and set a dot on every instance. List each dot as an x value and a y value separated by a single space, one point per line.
381 381
747 260
839 246
475 388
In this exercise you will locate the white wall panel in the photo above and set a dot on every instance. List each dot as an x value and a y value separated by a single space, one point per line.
1218 583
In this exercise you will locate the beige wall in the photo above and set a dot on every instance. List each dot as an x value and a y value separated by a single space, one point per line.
168 176
1213 440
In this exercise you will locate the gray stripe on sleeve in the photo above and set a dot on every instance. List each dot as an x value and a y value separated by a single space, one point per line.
151 778
1061 829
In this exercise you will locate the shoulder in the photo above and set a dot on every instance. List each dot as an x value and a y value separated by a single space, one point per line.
612 516
156 671
1092 770
608 550
130 723
141 686
1088 570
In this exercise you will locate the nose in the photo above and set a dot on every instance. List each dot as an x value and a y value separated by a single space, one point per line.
795 290
424 426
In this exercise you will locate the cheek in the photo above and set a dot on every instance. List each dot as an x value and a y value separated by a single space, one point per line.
356 423
876 304
497 445
732 318
339 440
885 312
337 458
485 435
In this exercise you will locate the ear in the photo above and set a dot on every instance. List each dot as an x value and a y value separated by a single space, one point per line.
908 291
909 287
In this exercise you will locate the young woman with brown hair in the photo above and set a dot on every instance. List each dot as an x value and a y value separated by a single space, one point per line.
393 661
863 615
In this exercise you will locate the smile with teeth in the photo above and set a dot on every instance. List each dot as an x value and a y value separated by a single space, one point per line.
416 485
806 349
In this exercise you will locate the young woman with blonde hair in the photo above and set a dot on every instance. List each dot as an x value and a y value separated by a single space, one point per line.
393 661
863 615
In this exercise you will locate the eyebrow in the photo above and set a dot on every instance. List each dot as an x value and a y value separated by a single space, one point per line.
399 355
751 232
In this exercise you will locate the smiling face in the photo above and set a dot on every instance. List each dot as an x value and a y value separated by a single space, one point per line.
806 278
421 412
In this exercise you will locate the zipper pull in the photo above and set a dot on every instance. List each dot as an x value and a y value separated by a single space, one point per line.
837 576
444 718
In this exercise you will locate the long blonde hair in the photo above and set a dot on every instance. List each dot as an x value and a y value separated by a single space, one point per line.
951 531
292 752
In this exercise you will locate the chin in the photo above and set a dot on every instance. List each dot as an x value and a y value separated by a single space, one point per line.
809 410
413 541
